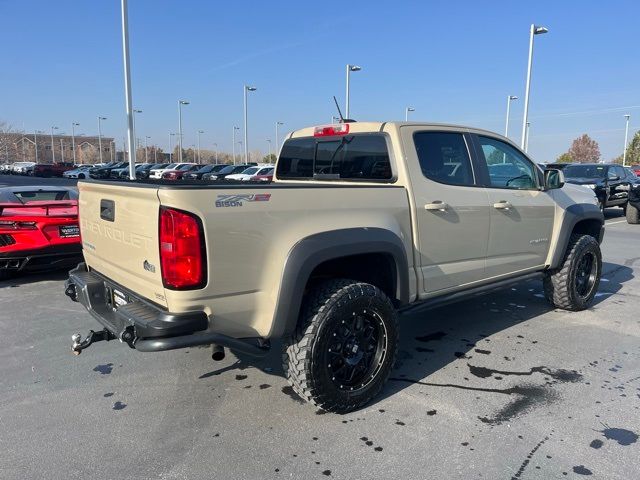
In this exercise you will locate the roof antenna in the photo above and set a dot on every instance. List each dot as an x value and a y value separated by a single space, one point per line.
338 107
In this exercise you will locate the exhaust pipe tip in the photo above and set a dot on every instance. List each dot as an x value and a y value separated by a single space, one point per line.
217 353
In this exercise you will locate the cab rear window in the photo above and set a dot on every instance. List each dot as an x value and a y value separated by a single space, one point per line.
349 157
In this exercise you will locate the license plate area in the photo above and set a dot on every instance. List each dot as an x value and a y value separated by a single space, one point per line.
116 298
69 231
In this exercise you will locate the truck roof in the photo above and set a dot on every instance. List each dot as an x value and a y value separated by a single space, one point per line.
371 127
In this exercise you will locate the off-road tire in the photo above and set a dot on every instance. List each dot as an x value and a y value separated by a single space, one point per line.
560 286
632 215
305 354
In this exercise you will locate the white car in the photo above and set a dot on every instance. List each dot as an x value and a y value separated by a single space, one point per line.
82 171
23 168
250 172
156 173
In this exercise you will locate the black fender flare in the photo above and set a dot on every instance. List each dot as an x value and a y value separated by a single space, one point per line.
316 249
573 215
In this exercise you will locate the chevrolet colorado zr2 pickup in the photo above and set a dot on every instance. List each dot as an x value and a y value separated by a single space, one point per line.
361 221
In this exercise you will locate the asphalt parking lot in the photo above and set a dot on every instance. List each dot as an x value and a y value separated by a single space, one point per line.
497 387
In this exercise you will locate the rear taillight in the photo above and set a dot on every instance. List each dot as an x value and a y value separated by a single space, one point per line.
331 130
182 252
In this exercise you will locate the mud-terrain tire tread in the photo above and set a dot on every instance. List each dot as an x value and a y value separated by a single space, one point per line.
297 350
558 287
633 216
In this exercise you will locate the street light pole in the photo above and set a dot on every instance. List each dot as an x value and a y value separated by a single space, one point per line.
199 132
526 141
246 89
73 140
146 149
233 145
269 142
626 136
350 68
35 141
62 150
100 135
215 152
53 147
171 135
137 140
278 137
535 30
127 88
506 127
406 113
180 103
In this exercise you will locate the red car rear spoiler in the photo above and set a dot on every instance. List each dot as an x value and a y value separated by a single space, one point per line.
46 205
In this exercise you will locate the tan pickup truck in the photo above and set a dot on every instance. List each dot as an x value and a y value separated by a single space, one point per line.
361 221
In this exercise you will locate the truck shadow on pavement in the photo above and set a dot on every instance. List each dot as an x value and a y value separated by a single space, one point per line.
431 339
28 278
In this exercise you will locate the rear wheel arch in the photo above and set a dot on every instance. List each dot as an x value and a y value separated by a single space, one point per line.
373 255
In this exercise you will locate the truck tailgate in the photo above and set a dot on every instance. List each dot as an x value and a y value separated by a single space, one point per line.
119 229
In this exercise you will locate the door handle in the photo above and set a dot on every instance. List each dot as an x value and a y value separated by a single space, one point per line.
436 205
502 205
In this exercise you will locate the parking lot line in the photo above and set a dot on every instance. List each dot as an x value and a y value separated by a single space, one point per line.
613 223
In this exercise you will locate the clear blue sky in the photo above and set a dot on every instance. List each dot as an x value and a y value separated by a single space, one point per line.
452 61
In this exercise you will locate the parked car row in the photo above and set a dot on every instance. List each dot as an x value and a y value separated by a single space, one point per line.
59 169
180 171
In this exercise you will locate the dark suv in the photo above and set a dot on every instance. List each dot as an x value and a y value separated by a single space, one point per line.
610 183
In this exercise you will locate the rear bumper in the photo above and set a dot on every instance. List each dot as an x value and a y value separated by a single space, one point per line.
47 258
153 328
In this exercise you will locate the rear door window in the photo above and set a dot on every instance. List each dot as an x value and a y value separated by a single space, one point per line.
444 157
352 157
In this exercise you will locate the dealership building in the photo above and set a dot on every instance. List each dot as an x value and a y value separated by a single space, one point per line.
41 147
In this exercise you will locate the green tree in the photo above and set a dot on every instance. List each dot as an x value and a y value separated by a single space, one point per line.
564 158
633 150
271 158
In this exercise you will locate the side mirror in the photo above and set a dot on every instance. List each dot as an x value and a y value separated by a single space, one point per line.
553 178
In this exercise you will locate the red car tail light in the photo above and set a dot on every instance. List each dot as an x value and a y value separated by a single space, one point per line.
331 130
182 251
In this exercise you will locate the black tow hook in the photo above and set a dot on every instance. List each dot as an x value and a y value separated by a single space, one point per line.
71 292
92 337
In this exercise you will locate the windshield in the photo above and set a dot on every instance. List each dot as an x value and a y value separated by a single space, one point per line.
45 195
228 169
250 171
171 166
186 166
585 171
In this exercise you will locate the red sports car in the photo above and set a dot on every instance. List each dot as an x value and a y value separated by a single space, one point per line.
38 229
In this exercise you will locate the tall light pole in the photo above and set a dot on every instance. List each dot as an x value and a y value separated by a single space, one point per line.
113 150
233 145
62 150
269 142
626 136
73 139
127 89
215 152
137 140
35 141
171 135
199 132
278 137
526 138
246 89
350 68
146 149
406 113
510 98
180 103
53 147
535 30
100 135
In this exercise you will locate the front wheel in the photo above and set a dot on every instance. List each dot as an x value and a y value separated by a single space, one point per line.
344 347
81 176
574 285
